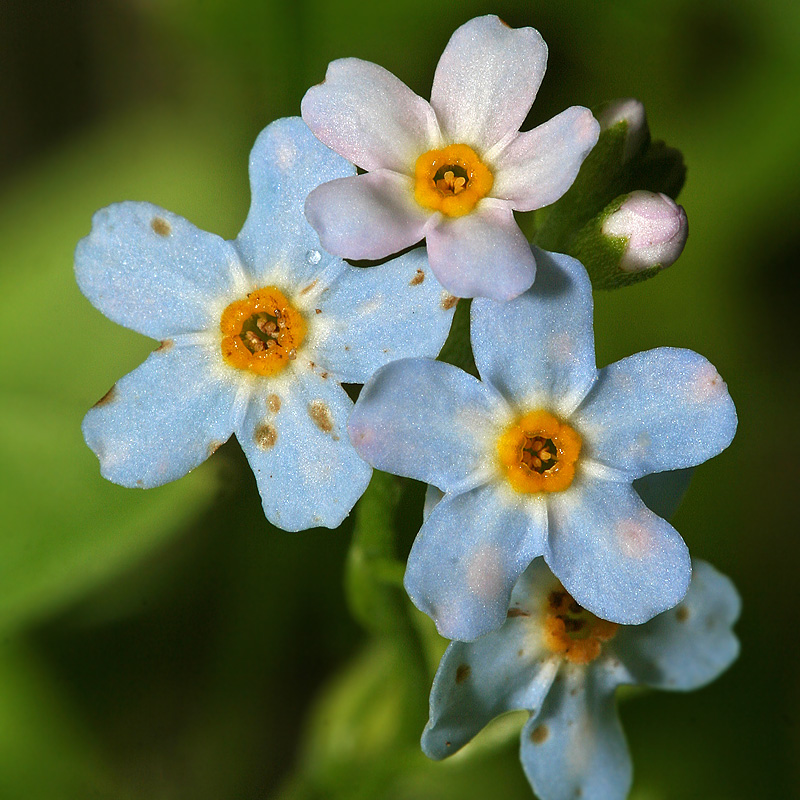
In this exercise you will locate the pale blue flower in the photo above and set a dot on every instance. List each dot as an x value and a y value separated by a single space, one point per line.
297 323
538 458
451 171
563 665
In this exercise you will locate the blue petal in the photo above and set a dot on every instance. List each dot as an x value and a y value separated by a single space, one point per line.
427 420
468 556
152 271
164 418
690 645
575 746
505 670
614 556
538 350
659 410
662 492
372 316
276 242
294 436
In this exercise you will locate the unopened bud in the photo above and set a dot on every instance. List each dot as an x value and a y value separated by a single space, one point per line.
655 228
630 113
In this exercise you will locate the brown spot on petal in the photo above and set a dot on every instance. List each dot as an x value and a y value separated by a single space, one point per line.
540 734
462 673
317 310
167 344
265 436
682 613
320 415
418 278
274 403
213 446
448 301
517 612
107 398
161 226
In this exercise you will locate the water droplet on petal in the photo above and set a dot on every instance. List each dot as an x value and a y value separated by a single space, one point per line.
313 256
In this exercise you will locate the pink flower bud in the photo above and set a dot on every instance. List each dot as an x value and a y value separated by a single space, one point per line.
655 228
630 111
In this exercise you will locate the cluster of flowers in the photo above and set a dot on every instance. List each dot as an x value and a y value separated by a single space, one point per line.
537 556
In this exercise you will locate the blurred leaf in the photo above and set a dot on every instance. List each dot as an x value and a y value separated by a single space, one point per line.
44 750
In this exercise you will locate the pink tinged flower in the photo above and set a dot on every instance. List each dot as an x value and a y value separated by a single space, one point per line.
655 229
451 171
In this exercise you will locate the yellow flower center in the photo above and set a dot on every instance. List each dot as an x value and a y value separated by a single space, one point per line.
451 180
262 332
573 631
538 453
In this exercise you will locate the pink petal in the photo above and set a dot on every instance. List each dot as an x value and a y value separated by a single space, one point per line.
486 81
369 116
366 216
482 254
538 166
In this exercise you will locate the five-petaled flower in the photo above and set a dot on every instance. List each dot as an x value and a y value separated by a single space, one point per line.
257 336
452 170
539 458
562 664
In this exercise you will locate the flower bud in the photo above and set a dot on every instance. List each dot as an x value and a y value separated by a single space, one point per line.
629 111
655 228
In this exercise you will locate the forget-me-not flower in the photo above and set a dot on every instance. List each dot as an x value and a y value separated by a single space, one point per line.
539 458
257 336
563 665
450 171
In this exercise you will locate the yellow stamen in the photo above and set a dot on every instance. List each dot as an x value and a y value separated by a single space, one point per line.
451 180
572 631
538 452
262 332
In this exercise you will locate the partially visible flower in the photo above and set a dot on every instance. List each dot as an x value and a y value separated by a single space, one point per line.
257 336
453 170
654 230
562 664
540 457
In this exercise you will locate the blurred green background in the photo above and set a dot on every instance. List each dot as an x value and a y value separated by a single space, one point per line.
170 644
